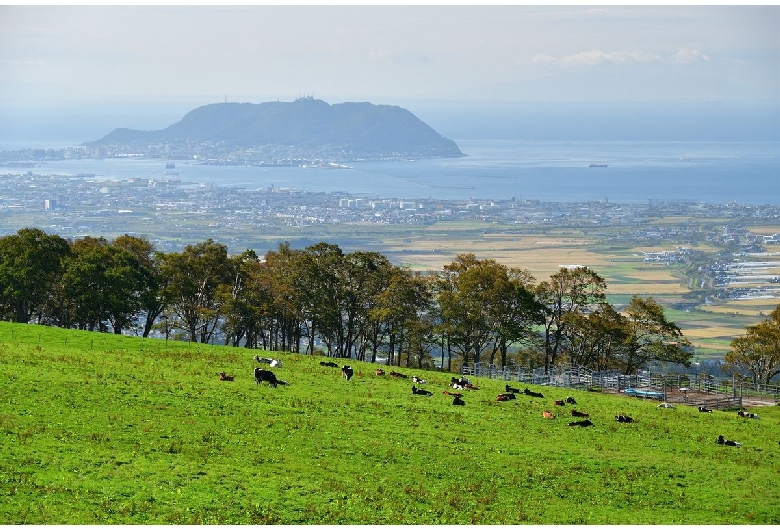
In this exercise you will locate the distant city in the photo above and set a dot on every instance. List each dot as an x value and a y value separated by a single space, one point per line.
172 213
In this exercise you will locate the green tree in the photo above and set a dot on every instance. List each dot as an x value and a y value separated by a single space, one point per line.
568 291
31 265
758 350
652 337
193 277
101 286
317 275
151 286
483 303
596 340
283 277
402 313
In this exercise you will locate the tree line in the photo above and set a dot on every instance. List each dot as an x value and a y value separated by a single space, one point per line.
321 299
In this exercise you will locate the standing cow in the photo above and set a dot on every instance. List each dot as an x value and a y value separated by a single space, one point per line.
265 375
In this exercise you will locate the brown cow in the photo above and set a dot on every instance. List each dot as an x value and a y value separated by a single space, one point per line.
549 415
225 377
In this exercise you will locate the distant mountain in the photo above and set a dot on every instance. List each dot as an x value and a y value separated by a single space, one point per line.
348 130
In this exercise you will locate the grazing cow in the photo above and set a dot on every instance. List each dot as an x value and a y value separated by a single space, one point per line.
419 381
347 372
747 415
265 375
453 394
532 393
458 401
624 419
225 377
571 401
379 371
506 397
263 360
420 391
559 403
665 406
582 423
396 374
512 390
704 409
578 414
722 441
548 415
330 364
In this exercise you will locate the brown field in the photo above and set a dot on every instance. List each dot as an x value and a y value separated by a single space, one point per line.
542 255
764 230
759 308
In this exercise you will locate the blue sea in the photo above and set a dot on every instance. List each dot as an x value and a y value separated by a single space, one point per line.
551 171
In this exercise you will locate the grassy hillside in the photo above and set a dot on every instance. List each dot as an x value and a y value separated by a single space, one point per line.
98 429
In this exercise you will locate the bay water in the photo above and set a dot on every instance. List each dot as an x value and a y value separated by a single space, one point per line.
549 171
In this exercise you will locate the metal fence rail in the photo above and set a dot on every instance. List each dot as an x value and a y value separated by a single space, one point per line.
696 391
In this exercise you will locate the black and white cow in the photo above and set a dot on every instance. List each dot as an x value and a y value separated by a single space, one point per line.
265 375
347 372
420 391
722 441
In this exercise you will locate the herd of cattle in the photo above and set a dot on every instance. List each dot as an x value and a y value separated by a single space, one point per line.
462 383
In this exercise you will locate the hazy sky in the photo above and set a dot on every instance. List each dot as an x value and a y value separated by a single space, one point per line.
383 54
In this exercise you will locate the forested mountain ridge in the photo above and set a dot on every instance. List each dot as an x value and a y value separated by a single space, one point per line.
357 130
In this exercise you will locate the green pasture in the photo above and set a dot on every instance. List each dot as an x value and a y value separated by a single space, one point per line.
99 429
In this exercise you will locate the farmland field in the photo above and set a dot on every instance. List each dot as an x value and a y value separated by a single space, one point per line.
99 429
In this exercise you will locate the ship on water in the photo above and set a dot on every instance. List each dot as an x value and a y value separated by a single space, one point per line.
593 164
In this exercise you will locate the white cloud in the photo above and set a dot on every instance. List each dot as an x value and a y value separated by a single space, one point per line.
686 55
596 57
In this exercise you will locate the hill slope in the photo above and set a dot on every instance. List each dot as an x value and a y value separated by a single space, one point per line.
100 429
361 130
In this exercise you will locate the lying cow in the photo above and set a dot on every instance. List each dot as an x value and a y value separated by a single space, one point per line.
512 390
578 414
665 406
571 401
265 375
507 396
347 372
704 409
420 391
453 394
458 401
583 423
722 441
419 381
559 403
330 364
532 393
624 419
397 374
747 415
548 415
225 377
379 371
